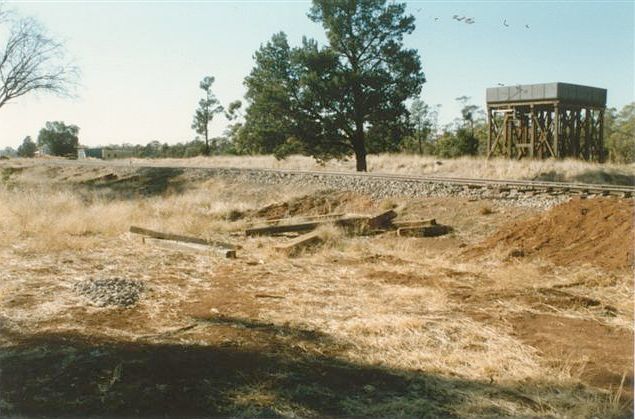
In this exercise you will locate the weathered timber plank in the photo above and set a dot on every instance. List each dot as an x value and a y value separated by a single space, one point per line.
305 218
414 223
347 222
381 220
191 247
295 246
179 238
426 231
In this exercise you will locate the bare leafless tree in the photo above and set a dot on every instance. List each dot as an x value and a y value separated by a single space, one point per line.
31 61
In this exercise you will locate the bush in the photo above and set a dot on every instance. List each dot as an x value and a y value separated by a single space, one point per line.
410 144
27 148
456 144
59 139
620 134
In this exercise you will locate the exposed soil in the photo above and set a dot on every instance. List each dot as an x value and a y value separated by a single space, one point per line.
601 353
400 278
318 203
594 231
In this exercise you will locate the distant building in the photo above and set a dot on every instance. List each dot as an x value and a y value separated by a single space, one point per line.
103 153
43 150
111 153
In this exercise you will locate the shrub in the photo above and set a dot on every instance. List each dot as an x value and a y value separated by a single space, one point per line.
456 144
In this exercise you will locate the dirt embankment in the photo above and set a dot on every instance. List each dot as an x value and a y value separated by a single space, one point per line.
594 231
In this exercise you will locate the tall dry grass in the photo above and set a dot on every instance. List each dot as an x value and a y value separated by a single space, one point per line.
65 217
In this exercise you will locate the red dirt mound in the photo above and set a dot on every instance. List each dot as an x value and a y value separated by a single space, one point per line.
595 231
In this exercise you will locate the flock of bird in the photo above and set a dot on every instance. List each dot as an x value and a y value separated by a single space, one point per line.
464 19
470 20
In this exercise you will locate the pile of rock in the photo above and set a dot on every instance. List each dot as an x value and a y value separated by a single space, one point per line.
117 292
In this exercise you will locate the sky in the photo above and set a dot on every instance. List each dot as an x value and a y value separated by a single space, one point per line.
141 61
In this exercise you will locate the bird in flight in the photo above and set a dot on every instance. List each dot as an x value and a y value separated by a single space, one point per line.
527 26
418 10
469 21
500 84
436 18
505 23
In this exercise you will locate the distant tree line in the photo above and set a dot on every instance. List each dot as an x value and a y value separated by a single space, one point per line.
355 95
419 133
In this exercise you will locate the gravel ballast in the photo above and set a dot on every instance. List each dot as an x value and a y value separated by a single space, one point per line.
110 292
381 188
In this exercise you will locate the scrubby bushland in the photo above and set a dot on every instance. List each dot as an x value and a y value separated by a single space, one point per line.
458 143
620 134
27 148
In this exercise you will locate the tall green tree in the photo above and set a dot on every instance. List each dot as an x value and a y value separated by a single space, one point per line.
204 114
27 148
364 75
269 116
325 101
60 139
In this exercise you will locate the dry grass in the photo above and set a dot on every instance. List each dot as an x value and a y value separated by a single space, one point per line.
68 216
399 305
420 327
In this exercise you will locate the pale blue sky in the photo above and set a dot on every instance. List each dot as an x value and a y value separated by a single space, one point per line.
141 62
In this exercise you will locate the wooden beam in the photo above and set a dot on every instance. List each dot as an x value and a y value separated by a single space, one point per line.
179 238
414 223
509 134
295 246
427 231
382 220
305 218
346 222
499 131
556 133
532 134
600 139
489 131
191 247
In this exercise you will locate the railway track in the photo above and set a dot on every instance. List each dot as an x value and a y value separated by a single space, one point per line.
520 186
